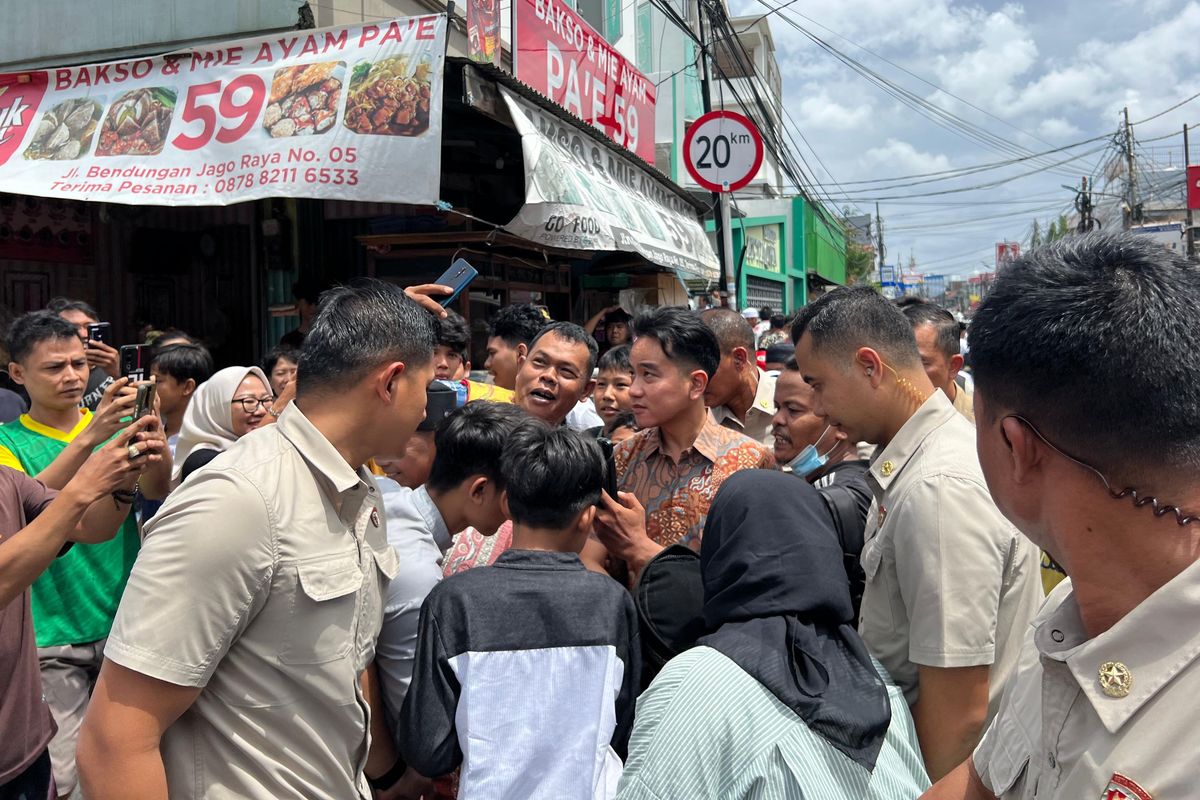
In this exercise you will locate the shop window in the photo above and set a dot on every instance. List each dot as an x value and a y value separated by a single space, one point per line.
603 15
645 38
763 292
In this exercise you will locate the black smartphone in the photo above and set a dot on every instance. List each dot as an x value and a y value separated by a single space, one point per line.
460 274
145 399
135 362
610 467
100 332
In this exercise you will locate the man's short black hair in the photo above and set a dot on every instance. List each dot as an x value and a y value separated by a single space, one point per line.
30 330
732 329
360 326
778 322
1094 340
470 441
277 354
766 312
552 475
60 304
453 332
572 333
183 361
518 324
682 336
923 312
858 316
616 359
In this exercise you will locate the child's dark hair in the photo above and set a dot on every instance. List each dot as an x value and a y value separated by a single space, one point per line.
277 354
616 359
183 361
30 330
452 332
470 441
623 420
552 475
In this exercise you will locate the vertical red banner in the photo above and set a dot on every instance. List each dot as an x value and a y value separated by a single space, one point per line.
1193 187
483 31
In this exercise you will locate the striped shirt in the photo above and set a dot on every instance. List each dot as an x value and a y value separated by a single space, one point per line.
706 729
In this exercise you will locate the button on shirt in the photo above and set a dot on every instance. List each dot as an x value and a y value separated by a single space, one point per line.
758 417
1059 735
950 583
677 496
418 533
261 580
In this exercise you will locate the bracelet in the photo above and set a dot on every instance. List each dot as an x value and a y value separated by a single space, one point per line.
125 497
387 779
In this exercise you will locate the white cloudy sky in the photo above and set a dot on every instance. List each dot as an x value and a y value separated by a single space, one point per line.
1057 71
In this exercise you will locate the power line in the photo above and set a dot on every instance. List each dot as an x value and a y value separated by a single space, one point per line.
1167 111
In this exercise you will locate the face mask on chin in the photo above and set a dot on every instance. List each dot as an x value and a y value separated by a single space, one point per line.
809 460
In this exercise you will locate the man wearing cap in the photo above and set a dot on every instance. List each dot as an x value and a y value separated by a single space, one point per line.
741 396
1104 702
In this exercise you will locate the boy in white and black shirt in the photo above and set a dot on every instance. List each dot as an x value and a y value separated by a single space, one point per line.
538 657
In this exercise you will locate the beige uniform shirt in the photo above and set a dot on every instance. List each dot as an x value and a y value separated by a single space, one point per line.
950 583
964 403
261 582
1060 735
758 419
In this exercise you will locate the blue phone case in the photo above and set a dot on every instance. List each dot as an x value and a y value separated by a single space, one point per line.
458 277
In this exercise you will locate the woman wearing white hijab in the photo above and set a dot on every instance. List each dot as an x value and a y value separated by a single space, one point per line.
230 404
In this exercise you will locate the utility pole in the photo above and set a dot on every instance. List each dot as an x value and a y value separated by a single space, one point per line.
1083 204
879 237
721 220
1134 214
1187 162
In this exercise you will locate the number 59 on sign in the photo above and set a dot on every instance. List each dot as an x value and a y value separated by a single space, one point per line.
723 151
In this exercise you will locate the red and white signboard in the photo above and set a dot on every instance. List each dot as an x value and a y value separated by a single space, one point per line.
1193 187
351 112
1007 251
561 56
723 151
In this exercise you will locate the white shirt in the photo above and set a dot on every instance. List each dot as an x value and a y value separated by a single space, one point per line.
418 534
583 416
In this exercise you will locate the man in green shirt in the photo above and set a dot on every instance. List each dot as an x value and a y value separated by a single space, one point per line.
75 600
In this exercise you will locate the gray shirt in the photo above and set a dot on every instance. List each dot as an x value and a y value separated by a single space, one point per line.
261 581
418 533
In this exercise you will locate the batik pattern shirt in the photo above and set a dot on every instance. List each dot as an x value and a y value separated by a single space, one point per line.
676 495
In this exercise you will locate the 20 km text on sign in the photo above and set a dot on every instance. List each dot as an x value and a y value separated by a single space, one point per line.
723 151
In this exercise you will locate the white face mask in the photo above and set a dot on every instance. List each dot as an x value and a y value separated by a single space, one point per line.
809 460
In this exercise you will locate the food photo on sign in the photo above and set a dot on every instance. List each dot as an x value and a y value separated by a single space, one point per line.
389 98
138 123
304 99
65 132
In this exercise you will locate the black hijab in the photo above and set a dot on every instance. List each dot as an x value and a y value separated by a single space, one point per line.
776 597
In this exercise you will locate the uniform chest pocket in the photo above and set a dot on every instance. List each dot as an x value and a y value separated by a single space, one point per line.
1007 770
324 605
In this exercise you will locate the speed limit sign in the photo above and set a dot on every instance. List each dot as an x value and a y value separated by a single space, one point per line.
723 151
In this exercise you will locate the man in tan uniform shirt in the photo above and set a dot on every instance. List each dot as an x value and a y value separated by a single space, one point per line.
740 396
234 668
937 334
1104 703
951 585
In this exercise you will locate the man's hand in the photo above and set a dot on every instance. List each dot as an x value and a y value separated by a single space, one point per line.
411 786
621 528
116 404
424 294
101 355
111 468
281 402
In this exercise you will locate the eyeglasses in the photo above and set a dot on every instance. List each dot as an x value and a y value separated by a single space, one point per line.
252 404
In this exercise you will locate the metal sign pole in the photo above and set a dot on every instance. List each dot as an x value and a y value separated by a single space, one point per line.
727 251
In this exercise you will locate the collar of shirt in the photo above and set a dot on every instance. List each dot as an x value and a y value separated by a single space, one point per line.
539 559
707 444
1155 641
888 463
764 403
322 457
434 522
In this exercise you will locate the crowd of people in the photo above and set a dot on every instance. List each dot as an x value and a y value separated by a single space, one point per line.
642 568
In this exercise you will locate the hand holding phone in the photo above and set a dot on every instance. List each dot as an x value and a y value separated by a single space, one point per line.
99 332
145 399
135 362
458 277
610 467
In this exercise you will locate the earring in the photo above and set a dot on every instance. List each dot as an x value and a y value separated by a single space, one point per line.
870 371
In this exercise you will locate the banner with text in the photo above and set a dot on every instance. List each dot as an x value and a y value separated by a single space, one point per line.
562 57
352 113
580 195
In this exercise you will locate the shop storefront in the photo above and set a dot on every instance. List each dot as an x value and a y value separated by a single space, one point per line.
192 189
